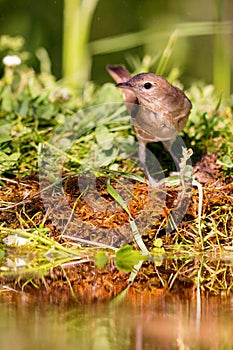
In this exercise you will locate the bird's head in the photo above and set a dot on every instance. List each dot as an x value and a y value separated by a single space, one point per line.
147 87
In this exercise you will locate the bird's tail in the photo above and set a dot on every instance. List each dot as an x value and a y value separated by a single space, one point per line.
118 73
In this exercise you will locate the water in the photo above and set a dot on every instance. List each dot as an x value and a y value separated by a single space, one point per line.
161 322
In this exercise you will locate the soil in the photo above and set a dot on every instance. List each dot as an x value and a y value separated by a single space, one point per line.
109 224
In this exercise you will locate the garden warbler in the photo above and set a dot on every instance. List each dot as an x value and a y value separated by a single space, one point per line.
159 110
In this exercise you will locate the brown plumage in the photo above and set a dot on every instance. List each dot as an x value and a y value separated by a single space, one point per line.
158 109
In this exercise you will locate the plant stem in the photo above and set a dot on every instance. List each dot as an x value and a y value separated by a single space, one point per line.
222 56
76 58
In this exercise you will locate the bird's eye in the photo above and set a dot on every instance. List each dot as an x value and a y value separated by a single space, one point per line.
147 85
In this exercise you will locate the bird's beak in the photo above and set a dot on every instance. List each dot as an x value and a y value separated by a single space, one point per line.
124 85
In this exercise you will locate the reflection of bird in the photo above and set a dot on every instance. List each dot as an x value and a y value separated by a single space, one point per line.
158 109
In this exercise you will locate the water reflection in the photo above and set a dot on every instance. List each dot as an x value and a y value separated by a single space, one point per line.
160 323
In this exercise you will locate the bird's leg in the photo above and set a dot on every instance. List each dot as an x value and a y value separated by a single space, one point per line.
142 157
174 148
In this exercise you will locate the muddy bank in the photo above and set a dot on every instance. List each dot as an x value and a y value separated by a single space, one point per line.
173 271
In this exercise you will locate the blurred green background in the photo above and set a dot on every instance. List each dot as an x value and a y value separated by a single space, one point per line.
202 51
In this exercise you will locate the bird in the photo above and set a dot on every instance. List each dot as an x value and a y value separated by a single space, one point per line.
158 109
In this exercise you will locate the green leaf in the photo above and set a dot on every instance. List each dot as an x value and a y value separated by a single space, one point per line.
158 243
104 137
23 107
7 99
5 137
45 111
127 257
158 251
101 259
2 254
138 238
226 162
104 158
115 195
8 161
